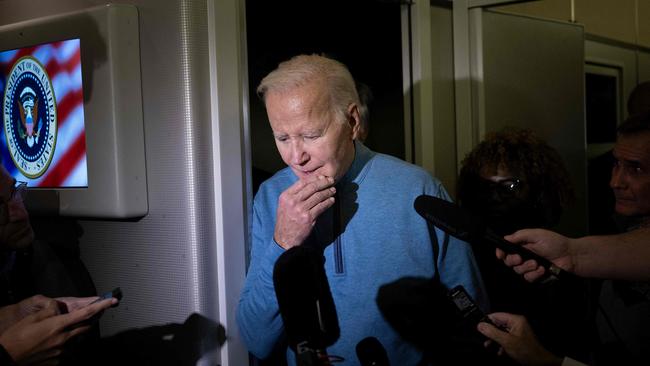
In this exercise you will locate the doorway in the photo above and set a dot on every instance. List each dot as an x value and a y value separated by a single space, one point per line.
365 35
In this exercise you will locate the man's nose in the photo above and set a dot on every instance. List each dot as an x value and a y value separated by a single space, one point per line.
298 154
618 178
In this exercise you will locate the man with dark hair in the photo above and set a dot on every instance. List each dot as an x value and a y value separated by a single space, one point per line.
631 172
603 219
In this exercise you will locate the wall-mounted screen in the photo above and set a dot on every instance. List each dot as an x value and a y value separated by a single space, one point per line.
72 116
44 139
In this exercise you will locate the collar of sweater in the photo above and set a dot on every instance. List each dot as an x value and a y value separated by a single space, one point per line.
356 172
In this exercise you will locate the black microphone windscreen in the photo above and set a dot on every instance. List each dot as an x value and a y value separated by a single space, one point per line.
460 223
372 353
449 217
304 298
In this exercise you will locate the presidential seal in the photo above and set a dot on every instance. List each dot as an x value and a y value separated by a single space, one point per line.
30 122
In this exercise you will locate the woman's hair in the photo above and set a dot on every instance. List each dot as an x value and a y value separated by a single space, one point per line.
302 70
526 157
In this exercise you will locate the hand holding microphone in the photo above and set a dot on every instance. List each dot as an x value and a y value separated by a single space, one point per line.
549 245
460 223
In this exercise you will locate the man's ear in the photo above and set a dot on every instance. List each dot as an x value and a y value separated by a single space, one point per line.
354 120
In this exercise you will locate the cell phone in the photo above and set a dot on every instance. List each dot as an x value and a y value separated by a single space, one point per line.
465 306
116 293
471 315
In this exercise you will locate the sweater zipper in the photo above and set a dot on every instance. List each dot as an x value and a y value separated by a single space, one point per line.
338 254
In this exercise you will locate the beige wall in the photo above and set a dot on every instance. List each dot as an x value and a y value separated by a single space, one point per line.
548 9
609 19
616 20
644 25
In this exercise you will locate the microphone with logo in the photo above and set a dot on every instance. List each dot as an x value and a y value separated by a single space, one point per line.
371 352
306 304
460 223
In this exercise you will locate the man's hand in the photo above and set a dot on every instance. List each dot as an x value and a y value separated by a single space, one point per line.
518 340
299 207
43 332
548 244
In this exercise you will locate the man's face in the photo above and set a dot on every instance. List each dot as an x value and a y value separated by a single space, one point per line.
309 139
15 230
631 174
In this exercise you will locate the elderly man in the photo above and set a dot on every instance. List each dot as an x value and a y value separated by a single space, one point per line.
623 317
355 204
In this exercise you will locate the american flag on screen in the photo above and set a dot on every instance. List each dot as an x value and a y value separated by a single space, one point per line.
44 139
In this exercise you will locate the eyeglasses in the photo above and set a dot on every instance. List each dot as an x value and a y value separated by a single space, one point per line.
503 188
511 185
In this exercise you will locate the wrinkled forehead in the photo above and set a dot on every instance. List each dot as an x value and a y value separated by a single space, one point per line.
633 147
312 99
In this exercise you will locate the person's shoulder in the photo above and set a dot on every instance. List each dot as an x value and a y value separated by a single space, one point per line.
399 168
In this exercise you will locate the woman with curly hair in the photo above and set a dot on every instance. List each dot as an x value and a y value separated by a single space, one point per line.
514 180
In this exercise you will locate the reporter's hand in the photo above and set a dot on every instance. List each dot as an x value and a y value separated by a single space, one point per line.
547 244
518 340
45 331
75 303
298 208
11 314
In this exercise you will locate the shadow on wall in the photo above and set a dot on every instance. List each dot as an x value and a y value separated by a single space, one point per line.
166 345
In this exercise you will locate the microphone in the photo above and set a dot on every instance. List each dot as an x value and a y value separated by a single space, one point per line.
306 304
460 223
371 352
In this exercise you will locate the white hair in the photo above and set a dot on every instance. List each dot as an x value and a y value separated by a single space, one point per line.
302 70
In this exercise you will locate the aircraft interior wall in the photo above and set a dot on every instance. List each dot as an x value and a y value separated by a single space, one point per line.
166 262
170 262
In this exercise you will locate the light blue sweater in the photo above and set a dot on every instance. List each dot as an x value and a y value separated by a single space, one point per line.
383 240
